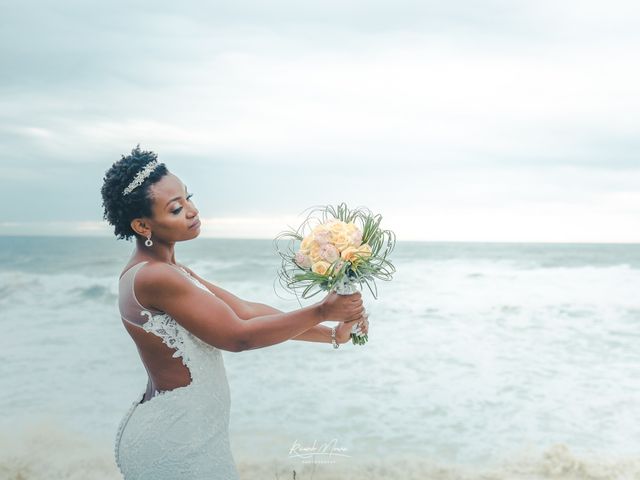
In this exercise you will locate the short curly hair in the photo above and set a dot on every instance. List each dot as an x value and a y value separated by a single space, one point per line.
120 209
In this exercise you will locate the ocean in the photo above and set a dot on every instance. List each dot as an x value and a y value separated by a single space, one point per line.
484 361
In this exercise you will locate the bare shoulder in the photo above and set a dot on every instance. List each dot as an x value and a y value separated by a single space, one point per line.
158 271
157 280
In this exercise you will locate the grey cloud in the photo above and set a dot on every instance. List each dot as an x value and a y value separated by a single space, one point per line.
46 43
84 81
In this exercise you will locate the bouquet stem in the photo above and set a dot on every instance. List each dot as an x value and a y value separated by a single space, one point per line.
345 287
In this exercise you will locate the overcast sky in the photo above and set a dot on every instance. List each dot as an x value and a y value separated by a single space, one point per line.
463 120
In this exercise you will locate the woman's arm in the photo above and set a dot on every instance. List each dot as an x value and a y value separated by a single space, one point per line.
318 333
207 317
246 310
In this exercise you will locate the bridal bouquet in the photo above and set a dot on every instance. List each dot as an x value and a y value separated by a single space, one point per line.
336 249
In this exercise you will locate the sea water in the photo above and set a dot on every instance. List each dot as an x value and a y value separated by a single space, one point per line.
506 360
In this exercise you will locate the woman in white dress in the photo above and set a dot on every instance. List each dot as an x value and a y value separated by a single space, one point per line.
178 426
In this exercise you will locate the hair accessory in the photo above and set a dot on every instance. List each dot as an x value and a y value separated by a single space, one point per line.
141 176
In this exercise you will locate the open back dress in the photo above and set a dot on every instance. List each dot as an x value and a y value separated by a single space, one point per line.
182 433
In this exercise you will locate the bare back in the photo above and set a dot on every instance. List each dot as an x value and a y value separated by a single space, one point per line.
165 371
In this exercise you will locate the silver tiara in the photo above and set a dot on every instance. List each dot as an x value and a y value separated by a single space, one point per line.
141 176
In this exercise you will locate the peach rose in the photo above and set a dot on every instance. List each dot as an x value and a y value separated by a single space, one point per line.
349 230
314 252
342 242
337 228
349 254
357 254
320 267
305 245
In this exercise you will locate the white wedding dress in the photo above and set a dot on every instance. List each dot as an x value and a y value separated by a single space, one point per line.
179 434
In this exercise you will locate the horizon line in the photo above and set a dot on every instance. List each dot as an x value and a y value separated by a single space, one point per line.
208 237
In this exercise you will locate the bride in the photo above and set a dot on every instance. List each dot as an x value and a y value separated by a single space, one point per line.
178 427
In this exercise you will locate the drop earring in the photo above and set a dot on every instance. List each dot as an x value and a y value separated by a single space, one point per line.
148 241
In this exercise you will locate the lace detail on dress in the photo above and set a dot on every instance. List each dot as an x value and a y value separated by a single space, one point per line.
169 331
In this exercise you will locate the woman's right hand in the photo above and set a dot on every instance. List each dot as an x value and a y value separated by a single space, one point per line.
342 308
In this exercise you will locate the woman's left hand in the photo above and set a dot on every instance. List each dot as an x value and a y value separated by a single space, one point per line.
343 330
